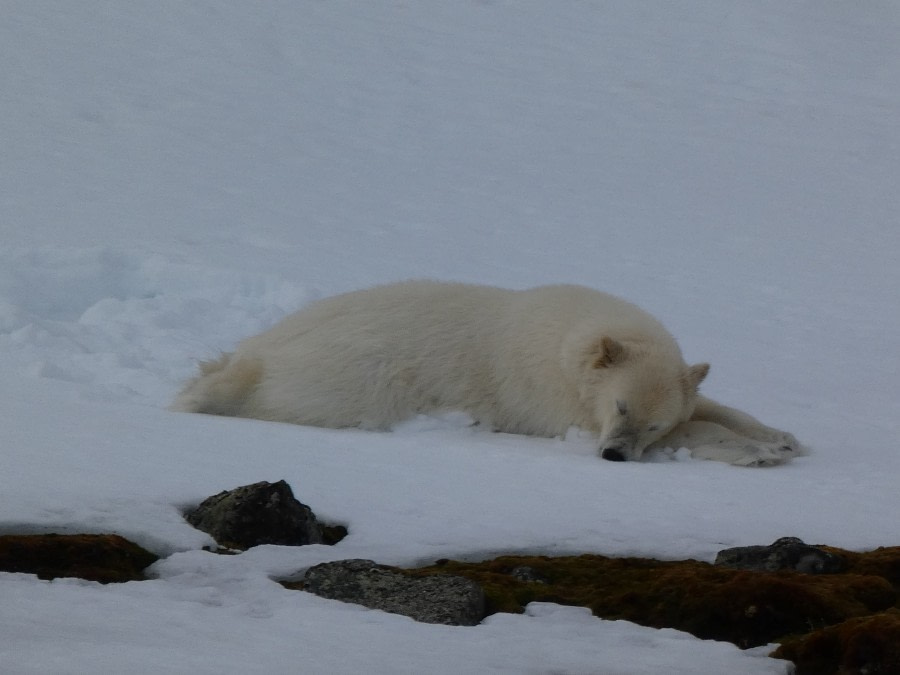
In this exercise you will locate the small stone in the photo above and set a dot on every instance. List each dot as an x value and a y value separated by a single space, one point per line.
528 574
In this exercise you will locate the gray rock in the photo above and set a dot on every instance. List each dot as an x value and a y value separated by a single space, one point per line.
444 599
787 553
528 574
262 513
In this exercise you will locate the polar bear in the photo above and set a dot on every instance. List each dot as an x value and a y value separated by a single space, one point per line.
535 361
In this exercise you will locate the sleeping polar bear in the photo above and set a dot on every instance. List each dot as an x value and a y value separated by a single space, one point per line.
537 362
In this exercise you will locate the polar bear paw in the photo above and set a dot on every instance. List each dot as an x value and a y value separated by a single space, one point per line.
781 440
748 453
765 455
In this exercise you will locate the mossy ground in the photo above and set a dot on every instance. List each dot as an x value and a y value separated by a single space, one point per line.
846 618
867 644
97 557
829 624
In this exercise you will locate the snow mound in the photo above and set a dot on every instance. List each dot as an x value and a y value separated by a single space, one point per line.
127 323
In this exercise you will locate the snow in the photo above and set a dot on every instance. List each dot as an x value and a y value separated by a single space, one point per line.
176 176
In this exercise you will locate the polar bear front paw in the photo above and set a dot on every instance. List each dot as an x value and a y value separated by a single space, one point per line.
782 440
745 453
764 455
789 443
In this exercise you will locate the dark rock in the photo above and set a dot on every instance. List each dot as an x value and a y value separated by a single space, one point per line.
528 574
262 513
787 553
332 534
106 558
868 645
444 599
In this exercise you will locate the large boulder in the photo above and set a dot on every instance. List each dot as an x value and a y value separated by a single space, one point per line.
444 599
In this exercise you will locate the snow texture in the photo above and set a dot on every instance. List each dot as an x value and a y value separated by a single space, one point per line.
176 176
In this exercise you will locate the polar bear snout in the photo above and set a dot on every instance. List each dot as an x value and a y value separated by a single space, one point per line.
612 454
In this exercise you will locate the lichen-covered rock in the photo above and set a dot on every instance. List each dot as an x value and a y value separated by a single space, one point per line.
106 558
868 645
443 599
261 513
787 553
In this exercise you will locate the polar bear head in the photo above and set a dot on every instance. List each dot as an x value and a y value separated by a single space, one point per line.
638 393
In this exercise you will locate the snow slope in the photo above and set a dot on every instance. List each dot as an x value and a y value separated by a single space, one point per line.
175 176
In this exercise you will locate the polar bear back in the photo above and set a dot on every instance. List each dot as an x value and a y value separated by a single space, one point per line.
374 357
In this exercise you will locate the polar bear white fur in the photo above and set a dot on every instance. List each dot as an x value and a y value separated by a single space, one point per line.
537 362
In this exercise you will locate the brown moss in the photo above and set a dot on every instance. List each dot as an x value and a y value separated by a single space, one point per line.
746 608
846 623
869 645
97 557
883 562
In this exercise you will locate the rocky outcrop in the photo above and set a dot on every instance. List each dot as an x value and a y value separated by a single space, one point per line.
261 513
787 553
444 599
105 558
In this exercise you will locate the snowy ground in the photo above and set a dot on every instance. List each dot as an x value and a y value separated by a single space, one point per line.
177 175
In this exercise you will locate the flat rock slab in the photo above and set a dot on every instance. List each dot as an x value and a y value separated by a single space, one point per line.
443 599
787 553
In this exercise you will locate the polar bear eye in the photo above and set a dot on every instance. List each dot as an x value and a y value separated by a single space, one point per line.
653 427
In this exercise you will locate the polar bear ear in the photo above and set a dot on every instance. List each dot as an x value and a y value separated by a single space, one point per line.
606 352
694 375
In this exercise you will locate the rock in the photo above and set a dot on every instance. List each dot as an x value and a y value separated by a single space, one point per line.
106 558
787 553
262 513
332 534
443 599
529 574
865 645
